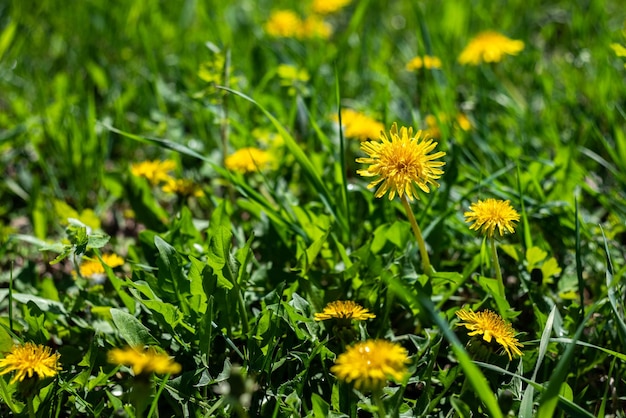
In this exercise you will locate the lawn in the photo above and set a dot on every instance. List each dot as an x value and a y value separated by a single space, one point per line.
326 208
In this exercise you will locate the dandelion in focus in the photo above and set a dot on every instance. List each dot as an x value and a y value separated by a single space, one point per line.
370 364
344 310
30 360
490 214
492 327
489 46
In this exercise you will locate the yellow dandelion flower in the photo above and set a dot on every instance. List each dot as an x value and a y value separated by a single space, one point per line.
428 62
284 24
371 363
401 162
489 47
183 187
90 268
144 360
344 310
247 160
324 7
491 326
358 125
155 171
491 213
315 27
463 121
29 359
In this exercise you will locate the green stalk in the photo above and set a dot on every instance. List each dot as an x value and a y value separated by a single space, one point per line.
496 266
418 236
380 406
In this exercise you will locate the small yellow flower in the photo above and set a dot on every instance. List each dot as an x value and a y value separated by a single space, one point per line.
144 360
315 27
155 171
358 125
489 47
324 7
284 24
344 310
491 326
247 160
371 363
428 62
29 359
90 268
491 213
401 162
290 74
182 187
463 121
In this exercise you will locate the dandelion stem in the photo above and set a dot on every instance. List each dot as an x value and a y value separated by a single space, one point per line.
380 406
30 406
418 236
496 266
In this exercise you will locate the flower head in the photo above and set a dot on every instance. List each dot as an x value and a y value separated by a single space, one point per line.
401 162
491 326
143 360
344 310
489 47
371 363
90 268
358 125
428 62
248 160
155 171
29 359
491 213
284 24
182 187
324 7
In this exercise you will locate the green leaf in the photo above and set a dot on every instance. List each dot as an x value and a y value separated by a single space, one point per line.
131 329
534 256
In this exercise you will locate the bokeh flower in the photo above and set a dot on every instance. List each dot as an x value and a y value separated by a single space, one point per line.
28 360
155 171
428 62
433 129
371 363
316 27
143 361
400 162
284 24
248 160
491 213
182 187
90 268
358 125
489 46
492 327
324 7
344 310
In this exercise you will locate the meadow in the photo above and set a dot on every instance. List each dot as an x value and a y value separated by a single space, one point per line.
326 208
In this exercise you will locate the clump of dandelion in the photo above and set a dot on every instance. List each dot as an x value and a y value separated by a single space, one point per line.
368 365
144 361
358 125
30 360
248 160
182 187
487 215
403 163
344 310
154 171
324 7
492 327
489 46
427 62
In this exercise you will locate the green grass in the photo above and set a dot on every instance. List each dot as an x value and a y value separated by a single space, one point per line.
228 283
